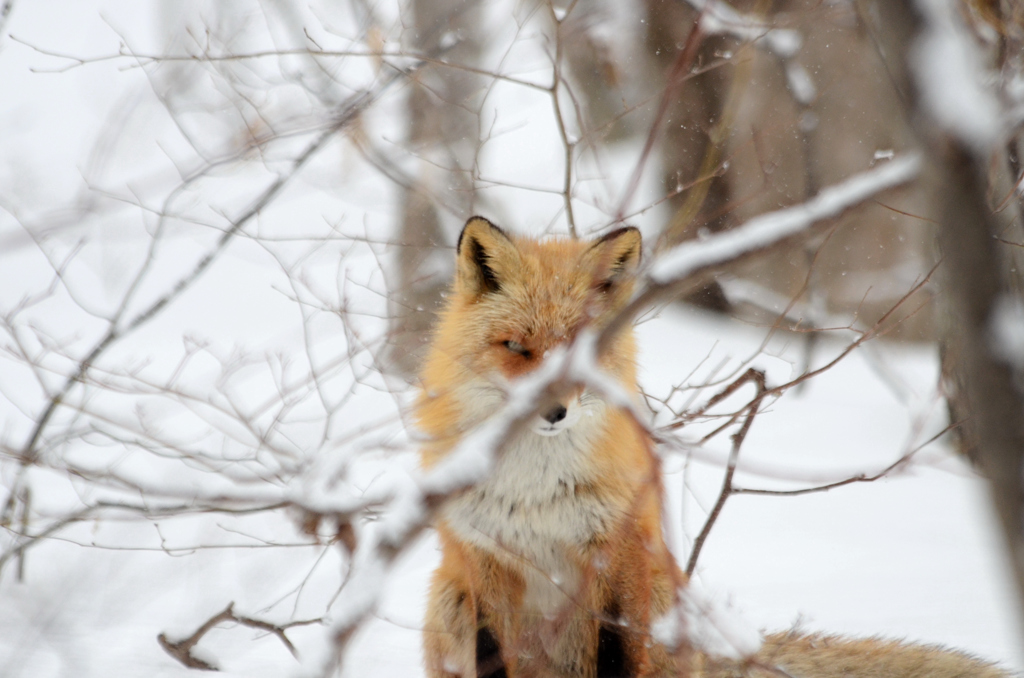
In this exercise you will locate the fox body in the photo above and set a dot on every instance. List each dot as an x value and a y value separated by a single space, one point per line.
555 565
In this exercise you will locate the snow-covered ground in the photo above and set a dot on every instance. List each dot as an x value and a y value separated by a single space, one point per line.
214 401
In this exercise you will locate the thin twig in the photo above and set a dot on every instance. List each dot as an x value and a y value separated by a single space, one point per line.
861 478
182 649
144 59
758 379
26 540
569 146
683 63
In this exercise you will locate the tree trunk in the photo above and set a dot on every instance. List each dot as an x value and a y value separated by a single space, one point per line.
982 277
444 137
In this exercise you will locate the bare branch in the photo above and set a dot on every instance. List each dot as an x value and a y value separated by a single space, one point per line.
182 649
757 378
116 332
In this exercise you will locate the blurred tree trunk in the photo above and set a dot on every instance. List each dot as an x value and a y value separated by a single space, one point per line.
982 281
444 137
1005 205
687 140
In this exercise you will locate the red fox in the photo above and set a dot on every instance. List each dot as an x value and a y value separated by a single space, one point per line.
555 565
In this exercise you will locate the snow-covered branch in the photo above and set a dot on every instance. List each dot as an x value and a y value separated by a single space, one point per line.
767 230
680 265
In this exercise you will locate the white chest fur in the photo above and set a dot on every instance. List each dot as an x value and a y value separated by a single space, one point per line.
530 512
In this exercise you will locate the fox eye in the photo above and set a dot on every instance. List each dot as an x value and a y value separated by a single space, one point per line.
516 347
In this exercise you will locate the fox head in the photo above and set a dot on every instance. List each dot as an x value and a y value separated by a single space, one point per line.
514 299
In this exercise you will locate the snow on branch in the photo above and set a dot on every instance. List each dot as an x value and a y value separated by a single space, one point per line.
948 69
768 229
472 459
681 264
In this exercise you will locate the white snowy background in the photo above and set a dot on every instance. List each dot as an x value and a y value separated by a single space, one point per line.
258 384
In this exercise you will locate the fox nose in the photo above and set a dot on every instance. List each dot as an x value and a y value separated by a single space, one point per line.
555 414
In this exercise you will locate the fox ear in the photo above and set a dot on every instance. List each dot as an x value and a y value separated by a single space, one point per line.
484 256
615 258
